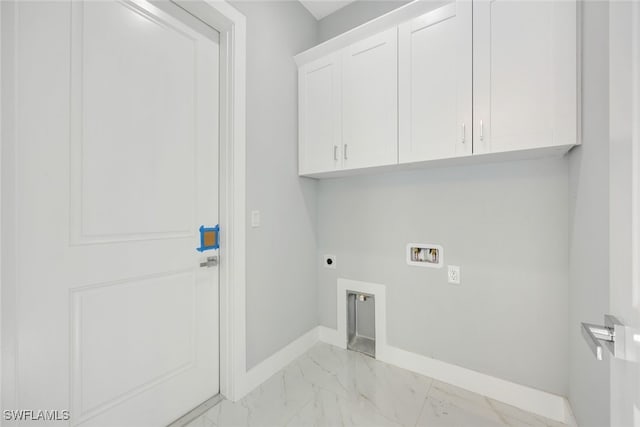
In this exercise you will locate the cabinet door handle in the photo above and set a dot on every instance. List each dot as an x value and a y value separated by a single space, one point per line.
335 153
345 151
463 133
481 130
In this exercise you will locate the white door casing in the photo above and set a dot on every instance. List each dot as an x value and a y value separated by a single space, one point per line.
232 27
624 163
434 81
115 168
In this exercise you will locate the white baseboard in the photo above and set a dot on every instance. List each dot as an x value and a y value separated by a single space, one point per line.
529 399
523 397
571 418
277 361
331 336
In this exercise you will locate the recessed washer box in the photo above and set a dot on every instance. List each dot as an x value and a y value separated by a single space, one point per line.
425 255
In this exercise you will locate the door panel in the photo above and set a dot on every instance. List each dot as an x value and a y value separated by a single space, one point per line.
370 102
320 116
118 77
116 168
116 326
435 84
624 200
525 90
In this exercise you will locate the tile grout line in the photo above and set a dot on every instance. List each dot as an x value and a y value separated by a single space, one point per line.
424 403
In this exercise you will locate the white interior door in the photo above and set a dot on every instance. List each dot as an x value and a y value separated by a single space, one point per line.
434 54
116 167
624 43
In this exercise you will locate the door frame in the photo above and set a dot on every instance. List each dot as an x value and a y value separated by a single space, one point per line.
624 203
231 24
635 149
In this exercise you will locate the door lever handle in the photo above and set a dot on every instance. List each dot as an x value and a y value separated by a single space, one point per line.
212 261
610 335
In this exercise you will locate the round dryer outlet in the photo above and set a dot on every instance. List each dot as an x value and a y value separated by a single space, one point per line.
329 261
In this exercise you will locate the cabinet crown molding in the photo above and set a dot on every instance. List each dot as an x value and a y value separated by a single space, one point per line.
370 28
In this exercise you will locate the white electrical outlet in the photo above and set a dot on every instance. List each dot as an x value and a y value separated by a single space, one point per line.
454 274
329 261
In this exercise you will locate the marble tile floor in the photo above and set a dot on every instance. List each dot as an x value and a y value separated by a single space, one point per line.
328 386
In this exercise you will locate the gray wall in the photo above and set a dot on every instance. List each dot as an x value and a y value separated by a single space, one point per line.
353 15
548 220
589 221
504 224
281 272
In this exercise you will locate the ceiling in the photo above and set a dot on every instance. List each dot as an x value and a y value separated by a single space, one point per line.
322 8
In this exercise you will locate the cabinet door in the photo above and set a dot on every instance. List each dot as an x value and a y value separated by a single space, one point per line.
319 143
435 78
525 74
370 101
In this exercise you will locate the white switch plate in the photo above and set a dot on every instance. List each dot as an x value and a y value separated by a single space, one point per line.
255 218
454 274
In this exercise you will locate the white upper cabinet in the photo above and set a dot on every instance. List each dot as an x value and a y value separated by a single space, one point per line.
435 81
525 74
470 81
319 110
370 101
